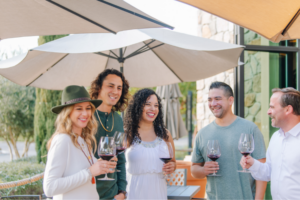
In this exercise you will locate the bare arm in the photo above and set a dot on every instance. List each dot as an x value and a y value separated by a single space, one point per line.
201 170
260 185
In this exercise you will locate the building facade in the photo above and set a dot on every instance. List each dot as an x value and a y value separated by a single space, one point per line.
267 65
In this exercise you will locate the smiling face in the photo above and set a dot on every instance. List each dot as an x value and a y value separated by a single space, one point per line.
80 116
111 90
218 103
276 111
151 109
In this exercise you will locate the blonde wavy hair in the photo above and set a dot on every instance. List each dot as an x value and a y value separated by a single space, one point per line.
63 125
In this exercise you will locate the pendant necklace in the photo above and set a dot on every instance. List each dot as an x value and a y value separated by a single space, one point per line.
102 124
89 157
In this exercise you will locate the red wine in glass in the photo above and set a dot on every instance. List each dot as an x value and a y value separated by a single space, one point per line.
213 152
213 157
166 154
106 156
246 147
120 142
245 153
120 150
106 151
165 160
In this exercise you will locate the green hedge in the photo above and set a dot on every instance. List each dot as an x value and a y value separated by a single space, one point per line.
21 169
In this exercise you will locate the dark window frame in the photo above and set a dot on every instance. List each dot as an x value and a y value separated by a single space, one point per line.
239 71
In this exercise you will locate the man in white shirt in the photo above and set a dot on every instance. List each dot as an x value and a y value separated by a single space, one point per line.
283 154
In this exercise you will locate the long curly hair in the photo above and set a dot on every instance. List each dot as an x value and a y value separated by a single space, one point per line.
134 114
97 85
63 124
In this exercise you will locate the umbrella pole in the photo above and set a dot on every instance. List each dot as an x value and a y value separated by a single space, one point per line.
121 61
121 67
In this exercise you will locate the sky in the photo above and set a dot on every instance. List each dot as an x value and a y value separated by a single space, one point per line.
181 16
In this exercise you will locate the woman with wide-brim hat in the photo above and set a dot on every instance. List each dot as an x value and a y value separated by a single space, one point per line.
71 167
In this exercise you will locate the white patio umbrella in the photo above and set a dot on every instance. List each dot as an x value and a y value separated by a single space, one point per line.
20 18
151 57
170 95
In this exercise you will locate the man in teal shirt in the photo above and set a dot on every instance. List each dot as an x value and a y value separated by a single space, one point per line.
227 128
112 88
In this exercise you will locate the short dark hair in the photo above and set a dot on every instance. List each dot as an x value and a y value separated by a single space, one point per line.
97 85
291 97
221 85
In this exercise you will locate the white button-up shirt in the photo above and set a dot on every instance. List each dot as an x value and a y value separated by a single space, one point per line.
282 165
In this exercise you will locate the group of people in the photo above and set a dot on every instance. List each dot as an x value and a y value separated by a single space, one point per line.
74 167
281 163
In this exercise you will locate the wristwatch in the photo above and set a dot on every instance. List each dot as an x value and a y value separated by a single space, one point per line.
123 192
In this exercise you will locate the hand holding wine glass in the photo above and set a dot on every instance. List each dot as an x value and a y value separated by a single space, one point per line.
246 162
166 155
246 146
106 151
213 152
102 167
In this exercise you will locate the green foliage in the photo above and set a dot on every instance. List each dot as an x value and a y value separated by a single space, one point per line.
17 112
184 88
44 119
18 170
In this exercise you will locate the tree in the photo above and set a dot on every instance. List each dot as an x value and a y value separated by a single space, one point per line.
44 119
184 88
17 113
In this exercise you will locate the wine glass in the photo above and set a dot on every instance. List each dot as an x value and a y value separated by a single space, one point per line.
120 139
106 151
166 153
246 146
213 152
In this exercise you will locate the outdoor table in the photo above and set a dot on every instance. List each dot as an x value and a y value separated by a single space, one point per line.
182 192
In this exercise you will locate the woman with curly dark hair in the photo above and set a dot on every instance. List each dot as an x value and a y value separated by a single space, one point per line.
146 135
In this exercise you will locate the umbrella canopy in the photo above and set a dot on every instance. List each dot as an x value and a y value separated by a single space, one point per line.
151 57
169 95
20 18
274 19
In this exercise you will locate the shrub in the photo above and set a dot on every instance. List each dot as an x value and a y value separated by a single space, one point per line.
21 169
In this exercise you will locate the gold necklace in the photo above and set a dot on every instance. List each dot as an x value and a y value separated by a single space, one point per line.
102 124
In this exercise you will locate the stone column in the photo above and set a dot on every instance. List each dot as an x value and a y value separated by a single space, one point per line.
212 27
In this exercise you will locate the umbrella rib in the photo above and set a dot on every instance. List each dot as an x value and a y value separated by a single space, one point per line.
47 69
138 15
81 16
124 50
291 23
137 53
113 53
106 55
143 47
168 67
